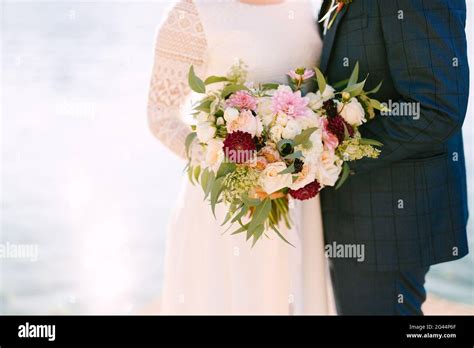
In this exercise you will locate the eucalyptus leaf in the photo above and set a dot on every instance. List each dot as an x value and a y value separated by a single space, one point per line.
227 217
210 184
204 179
215 79
289 170
240 229
229 89
190 174
345 174
340 84
195 83
225 168
365 141
250 202
304 136
204 106
196 172
375 90
269 86
257 234
260 215
215 193
294 155
354 76
189 140
243 211
321 80
356 89
274 228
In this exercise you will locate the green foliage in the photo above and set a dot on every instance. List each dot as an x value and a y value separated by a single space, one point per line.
195 83
345 174
365 141
304 136
225 168
321 80
259 216
354 76
215 79
375 90
216 190
187 143
355 89
270 86
232 88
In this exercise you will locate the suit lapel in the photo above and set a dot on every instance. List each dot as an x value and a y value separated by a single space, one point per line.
329 39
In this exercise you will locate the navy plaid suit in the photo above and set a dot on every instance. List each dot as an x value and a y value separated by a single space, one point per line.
409 207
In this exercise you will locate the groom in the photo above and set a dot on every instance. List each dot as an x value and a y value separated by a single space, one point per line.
407 209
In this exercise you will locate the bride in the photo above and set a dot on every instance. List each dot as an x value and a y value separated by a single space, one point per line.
206 271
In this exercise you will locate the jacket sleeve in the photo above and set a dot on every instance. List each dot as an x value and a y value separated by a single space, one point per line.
427 58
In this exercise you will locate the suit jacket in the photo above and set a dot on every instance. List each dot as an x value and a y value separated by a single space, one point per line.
409 207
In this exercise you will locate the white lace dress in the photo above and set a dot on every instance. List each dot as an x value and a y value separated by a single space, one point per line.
207 272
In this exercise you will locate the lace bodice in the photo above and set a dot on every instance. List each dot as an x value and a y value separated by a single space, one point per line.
213 35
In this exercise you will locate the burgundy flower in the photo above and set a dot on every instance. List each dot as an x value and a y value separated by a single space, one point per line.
239 147
307 192
337 125
330 107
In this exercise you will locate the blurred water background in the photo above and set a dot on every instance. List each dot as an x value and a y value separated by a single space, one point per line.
81 175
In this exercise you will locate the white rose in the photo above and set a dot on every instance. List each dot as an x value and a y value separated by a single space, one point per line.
315 101
214 153
328 168
264 110
309 121
291 130
271 181
230 114
275 133
205 131
245 122
202 117
353 112
328 93
305 177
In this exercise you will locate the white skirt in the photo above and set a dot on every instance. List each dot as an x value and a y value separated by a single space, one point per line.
208 272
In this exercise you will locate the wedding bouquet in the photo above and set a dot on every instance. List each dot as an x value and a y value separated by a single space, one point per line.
261 145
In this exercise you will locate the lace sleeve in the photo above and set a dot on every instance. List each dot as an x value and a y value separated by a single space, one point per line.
180 42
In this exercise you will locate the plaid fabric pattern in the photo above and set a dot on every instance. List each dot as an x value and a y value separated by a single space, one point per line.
409 207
